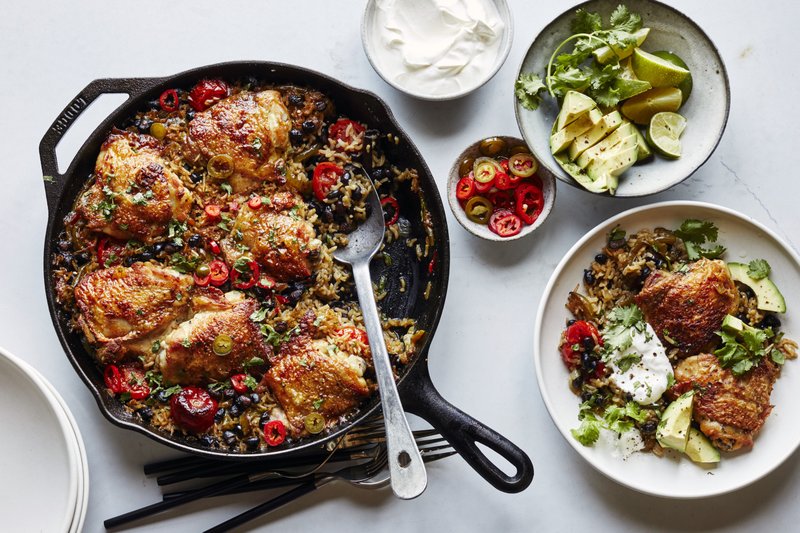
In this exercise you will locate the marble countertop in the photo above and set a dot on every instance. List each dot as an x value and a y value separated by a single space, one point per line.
481 357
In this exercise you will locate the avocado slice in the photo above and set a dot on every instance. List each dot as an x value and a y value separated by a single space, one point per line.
575 104
609 167
625 130
579 175
561 139
673 428
767 294
644 148
605 54
586 140
699 448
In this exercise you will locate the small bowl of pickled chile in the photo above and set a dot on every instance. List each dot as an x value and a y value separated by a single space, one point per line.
498 191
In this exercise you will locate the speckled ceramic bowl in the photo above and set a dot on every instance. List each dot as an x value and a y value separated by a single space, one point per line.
482 230
370 41
706 110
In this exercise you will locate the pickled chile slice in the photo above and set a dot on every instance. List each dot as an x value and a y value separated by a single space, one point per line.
245 277
505 182
502 199
219 272
326 175
169 100
113 378
485 170
505 223
193 409
529 202
206 93
478 209
274 432
465 188
391 210
580 336
338 131
523 165
239 384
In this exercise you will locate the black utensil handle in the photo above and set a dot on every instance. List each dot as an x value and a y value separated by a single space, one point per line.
264 508
464 433
53 180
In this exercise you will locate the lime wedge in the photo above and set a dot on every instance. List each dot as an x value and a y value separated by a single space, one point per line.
659 72
664 133
686 85
642 107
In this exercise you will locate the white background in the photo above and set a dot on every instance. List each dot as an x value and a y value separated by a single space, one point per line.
481 358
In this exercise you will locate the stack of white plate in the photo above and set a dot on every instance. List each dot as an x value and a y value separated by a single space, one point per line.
42 457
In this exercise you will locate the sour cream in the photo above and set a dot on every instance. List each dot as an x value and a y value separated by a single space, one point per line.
436 48
647 376
620 446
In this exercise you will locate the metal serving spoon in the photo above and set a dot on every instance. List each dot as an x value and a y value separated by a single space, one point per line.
406 468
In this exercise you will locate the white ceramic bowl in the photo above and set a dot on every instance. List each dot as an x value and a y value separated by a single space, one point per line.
706 110
482 230
674 475
370 40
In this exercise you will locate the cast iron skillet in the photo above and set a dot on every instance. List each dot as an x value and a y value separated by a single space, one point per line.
418 394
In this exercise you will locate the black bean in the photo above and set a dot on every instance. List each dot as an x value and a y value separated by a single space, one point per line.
229 437
320 105
770 321
190 115
598 400
586 396
81 258
295 136
357 194
588 362
587 343
238 430
146 255
346 226
571 321
645 273
67 257
209 441
281 326
345 179
143 124
146 413
616 244
577 382
171 247
588 277
265 417
254 397
158 248
335 194
251 443
64 245
196 241
309 126
339 211
219 415
196 177
229 394
601 258
294 296
163 396
650 426
327 213
234 410
130 260
243 401
296 99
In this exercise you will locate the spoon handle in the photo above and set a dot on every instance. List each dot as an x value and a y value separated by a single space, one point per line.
405 463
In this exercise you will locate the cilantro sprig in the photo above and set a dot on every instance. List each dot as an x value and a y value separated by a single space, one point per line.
758 269
743 347
694 234
622 323
571 71
615 418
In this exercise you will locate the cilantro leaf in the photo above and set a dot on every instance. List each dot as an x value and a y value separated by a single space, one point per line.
183 264
694 233
742 349
622 19
586 22
527 89
758 269
588 432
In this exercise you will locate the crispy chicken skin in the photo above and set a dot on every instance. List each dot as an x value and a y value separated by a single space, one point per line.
124 309
188 357
729 409
276 237
251 128
135 194
685 308
313 376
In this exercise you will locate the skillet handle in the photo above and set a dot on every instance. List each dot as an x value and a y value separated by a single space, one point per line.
54 181
464 433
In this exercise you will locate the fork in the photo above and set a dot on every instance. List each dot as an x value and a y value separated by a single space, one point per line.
364 475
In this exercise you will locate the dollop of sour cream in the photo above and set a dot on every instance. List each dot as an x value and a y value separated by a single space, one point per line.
436 47
643 369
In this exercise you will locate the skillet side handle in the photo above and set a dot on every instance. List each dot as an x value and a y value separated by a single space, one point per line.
54 181
463 433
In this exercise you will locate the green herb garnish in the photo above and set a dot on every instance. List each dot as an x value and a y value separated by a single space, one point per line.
758 269
694 233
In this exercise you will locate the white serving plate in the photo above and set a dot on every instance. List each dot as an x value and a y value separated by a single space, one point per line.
39 456
675 476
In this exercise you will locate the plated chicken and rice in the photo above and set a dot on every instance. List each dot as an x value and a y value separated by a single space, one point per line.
671 347
197 263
